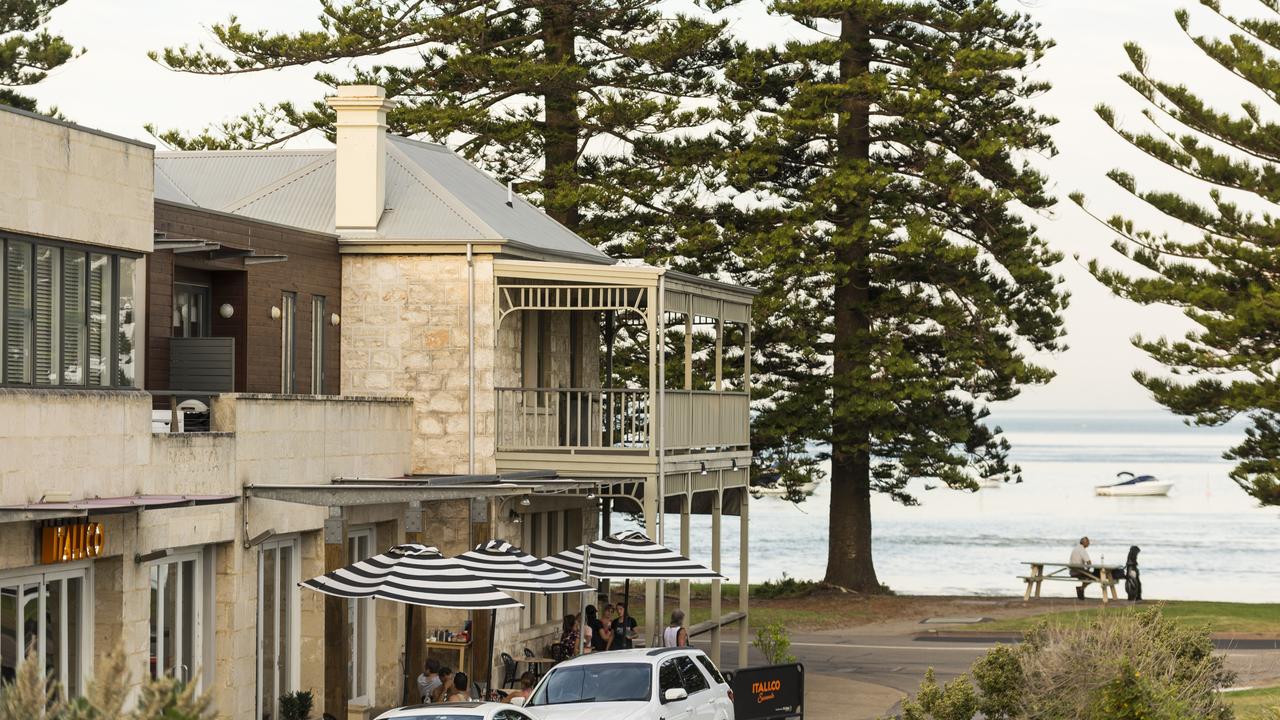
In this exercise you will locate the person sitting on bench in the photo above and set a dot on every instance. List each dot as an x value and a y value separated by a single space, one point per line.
1081 565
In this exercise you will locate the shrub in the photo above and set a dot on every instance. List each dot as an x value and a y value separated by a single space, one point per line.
1122 666
787 587
296 705
774 642
30 695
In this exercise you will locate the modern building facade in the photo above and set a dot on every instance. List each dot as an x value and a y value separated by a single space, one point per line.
392 347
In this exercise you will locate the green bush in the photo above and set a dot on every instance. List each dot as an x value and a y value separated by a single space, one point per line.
30 695
774 642
296 705
787 587
1130 666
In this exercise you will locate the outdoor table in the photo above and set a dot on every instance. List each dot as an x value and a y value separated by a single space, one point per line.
1104 575
450 650
539 661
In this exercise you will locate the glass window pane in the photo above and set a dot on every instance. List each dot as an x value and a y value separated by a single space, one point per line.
317 345
10 633
288 336
53 627
47 305
154 575
75 608
30 617
187 620
286 619
266 650
100 299
73 317
17 316
126 324
169 587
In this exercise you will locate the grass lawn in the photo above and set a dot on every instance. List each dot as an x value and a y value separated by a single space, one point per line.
1256 704
1219 616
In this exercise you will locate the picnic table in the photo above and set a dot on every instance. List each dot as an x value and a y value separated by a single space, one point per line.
1106 576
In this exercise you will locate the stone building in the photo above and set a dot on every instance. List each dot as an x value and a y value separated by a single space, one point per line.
463 388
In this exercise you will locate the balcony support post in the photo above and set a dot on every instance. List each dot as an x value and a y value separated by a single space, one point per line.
720 350
715 566
688 351
744 586
650 508
685 501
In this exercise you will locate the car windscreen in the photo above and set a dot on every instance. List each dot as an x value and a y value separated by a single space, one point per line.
596 682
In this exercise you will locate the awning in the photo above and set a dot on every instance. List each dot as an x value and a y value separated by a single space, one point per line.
104 506
344 492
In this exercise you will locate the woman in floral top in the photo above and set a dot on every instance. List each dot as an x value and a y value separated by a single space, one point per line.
569 637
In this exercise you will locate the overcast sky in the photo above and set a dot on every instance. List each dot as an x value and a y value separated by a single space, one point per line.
116 88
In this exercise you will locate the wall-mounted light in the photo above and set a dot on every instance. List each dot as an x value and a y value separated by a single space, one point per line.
524 501
702 468
514 517
733 464
275 313
591 495
334 319
226 311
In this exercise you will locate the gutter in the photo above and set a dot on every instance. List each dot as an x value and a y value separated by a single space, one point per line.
471 360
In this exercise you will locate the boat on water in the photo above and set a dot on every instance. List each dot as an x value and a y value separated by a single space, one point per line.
1135 486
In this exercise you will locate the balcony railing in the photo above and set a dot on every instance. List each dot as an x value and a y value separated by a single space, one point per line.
617 419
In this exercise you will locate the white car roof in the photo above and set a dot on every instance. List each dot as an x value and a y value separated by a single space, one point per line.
476 709
649 656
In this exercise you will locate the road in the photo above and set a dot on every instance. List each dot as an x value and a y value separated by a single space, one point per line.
899 661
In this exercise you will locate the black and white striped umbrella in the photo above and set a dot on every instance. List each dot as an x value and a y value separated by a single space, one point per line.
509 568
415 575
631 555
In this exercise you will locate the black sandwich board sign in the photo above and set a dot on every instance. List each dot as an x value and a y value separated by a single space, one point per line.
770 692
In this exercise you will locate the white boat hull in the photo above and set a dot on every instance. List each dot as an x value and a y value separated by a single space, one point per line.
1136 490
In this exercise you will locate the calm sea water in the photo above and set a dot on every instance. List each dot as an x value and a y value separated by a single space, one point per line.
1207 541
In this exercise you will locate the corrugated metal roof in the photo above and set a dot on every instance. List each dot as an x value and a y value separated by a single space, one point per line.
487 198
432 194
215 179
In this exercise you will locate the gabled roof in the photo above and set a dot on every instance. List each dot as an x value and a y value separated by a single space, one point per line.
432 195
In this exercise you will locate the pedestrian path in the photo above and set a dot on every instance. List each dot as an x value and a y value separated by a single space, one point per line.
831 697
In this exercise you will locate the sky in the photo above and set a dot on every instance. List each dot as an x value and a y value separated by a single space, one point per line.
115 87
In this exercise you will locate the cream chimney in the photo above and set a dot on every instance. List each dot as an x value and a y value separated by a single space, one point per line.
362 151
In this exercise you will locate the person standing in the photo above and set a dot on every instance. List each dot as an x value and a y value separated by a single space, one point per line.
1081 566
624 630
674 635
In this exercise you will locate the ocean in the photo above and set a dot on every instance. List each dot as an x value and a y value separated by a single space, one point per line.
1207 540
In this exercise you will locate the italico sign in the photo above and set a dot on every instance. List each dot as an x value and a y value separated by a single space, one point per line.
65 543
772 692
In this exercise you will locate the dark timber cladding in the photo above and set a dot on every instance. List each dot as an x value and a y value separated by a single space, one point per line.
313 269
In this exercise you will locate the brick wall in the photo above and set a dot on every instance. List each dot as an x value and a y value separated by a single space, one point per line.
313 269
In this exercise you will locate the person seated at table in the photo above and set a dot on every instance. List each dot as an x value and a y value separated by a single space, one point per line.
1082 566
569 637
460 692
624 629
446 683
521 696
429 680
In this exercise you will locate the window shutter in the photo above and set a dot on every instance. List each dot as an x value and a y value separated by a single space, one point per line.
17 315
73 317
99 320
46 315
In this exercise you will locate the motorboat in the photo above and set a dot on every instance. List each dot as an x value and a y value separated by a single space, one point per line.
1134 486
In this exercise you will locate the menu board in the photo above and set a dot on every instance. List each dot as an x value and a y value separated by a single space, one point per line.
769 692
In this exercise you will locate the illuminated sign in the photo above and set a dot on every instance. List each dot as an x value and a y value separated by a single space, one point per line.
768 693
65 543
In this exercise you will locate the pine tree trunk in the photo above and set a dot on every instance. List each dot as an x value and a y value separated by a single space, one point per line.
849 547
560 136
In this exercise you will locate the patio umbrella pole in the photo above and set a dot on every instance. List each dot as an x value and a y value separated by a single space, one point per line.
493 625
586 578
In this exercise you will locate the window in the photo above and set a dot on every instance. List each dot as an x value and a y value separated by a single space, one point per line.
177 614
317 344
277 623
535 365
191 310
68 317
360 629
706 663
52 612
694 681
668 679
598 682
288 336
